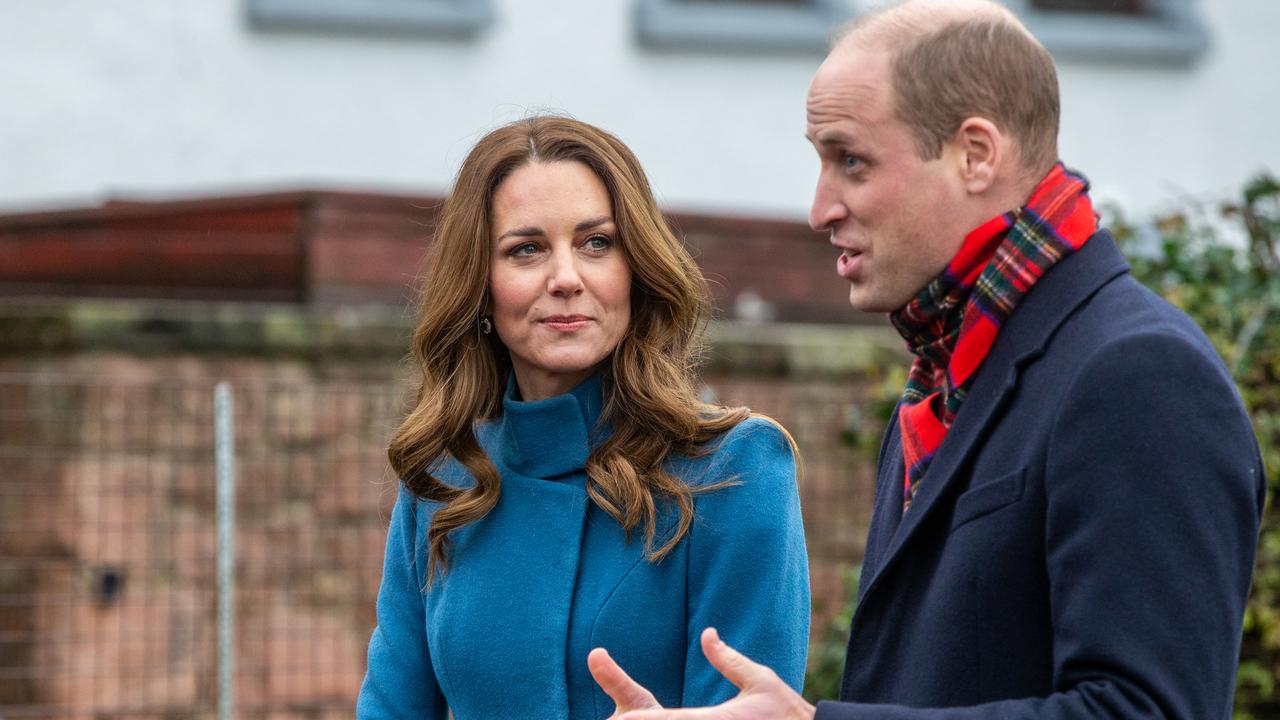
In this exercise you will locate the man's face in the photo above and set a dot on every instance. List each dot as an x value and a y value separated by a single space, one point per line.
893 215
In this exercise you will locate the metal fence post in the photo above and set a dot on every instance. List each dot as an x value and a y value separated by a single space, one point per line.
225 460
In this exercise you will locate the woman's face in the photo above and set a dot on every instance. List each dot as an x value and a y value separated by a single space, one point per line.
559 279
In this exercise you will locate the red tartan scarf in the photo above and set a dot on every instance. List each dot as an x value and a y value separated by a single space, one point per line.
951 325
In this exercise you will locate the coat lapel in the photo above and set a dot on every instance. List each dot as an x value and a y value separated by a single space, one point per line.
1050 302
887 509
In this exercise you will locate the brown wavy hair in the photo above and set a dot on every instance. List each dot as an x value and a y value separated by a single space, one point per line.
649 386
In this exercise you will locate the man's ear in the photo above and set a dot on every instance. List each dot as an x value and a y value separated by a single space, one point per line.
982 151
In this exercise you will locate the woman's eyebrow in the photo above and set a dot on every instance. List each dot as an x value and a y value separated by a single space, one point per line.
594 222
527 231
534 231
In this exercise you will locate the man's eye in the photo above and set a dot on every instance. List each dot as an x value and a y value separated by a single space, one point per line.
852 162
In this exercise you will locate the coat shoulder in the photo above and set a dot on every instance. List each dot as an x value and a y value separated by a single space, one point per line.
758 445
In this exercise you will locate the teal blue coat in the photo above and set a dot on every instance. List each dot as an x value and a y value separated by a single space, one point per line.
547 575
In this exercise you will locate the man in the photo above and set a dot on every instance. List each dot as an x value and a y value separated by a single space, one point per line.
1069 494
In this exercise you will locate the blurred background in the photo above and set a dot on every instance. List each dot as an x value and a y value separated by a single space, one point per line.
240 193
1161 98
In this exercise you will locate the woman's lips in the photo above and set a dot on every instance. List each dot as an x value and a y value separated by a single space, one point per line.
566 323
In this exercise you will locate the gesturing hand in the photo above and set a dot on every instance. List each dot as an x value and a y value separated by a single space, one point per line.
763 695
627 694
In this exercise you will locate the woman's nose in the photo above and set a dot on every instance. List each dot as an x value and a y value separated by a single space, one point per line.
564 279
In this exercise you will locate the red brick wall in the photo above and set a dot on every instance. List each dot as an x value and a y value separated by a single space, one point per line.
330 248
249 250
108 460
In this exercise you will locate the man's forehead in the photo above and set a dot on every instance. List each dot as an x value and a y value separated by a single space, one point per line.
856 104
848 88
854 65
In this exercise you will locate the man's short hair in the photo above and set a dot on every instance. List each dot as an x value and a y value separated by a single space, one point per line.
950 68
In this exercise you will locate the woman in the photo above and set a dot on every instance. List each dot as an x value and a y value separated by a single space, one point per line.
562 486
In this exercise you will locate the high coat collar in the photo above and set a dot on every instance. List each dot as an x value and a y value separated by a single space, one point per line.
1023 338
552 437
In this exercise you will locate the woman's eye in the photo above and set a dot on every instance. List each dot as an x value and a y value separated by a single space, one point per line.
599 242
523 250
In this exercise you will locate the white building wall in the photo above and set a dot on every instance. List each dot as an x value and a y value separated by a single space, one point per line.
182 97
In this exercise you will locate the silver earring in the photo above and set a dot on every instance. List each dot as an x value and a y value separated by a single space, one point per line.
486 325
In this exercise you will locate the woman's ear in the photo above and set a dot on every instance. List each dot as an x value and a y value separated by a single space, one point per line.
982 151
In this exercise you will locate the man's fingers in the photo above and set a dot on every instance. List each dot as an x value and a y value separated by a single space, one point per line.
735 666
627 694
764 695
686 714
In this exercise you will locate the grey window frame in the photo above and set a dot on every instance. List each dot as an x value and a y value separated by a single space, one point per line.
435 17
683 25
1173 33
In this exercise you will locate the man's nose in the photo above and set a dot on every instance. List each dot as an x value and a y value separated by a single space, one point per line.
827 209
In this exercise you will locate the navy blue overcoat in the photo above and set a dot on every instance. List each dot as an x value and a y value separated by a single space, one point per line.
1083 542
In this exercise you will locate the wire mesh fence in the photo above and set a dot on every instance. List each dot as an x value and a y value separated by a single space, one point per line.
108 538
108 547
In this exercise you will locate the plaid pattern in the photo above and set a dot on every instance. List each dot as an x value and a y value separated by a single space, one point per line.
952 323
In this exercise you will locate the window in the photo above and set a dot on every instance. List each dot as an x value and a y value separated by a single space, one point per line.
449 17
1143 31
781 25
1125 7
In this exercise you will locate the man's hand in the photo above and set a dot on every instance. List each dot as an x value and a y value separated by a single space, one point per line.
763 696
627 694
